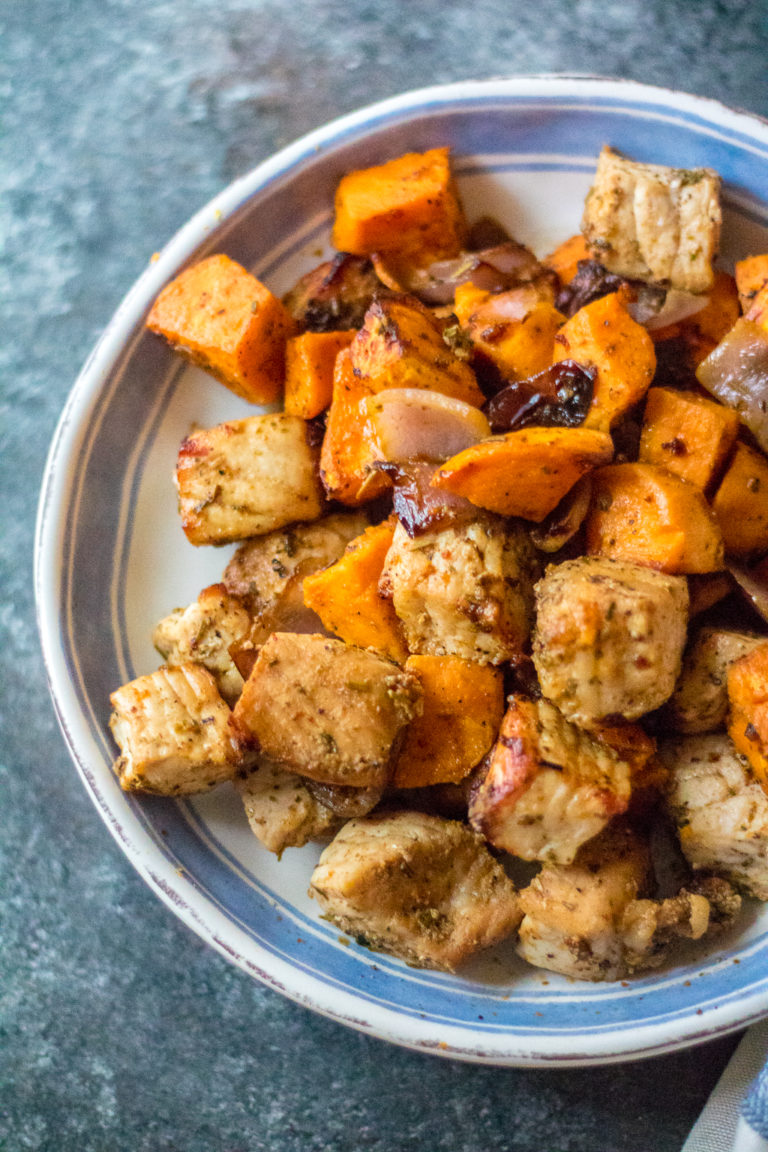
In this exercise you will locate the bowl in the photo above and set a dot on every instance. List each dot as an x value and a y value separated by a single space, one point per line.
111 560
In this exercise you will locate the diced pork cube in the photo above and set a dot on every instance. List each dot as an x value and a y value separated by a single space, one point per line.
420 887
549 787
592 920
609 637
465 590
204 633
651 222
700 700
327 710
720 810
281 810
175 733
247 477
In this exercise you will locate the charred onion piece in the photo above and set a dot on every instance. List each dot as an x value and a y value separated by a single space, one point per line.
343 800
558 397
419 507
562 524
736 373
492 269
334 295
753 582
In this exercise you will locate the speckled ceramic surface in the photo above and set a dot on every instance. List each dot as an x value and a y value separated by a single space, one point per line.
111 560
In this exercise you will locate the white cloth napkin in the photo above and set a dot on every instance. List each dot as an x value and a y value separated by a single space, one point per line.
735 1118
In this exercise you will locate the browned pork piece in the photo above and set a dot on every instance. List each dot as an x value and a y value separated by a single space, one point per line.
590 919
549 787
651 222
609 637
465 590
247 477
327 710
204 633
268 572
281 810
175 733
420 887
720 810
699 702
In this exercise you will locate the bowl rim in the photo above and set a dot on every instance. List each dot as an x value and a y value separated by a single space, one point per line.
178 892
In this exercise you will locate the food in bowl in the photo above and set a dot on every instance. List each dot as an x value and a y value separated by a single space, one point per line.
484 560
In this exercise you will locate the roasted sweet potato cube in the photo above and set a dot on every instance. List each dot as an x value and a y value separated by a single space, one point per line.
741 503
463 703
565 258
524 473
748 698
348 452
309 365
175 733
550 785
647 515
346 595
223 318
603 335
751 276
401 345
687 434
247 477
327 710
408 205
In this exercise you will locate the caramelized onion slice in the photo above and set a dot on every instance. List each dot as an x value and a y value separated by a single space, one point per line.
564 521
753 582
676 306
492 269
736 373
415 424
417 505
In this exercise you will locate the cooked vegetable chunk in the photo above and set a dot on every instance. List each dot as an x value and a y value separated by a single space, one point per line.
741 503
401 345
751 276
407 424
699 702
309 364
408 206
334 295
524 473
647 515
465 590
281 810
565 258
652 222
204 633
268 572
736 371
346 595
417 886
462 707
327 710
550 785
687 435
175 733
589 920
514 330
348 451
720 810
246 477
602 335
609 637
748 697
223 318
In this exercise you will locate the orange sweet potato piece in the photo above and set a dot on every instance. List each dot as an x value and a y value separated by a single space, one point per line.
463 704
647 515
748 700
524 473
751 276
687 434
220 316
346 595
408 205
467 299
565 258
401 345
604 336
741 503
346 454
526 346
309 363
721 311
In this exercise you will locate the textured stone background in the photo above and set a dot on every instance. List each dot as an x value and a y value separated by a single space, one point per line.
119 1031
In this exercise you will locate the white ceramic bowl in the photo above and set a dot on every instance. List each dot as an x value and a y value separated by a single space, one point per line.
111 560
